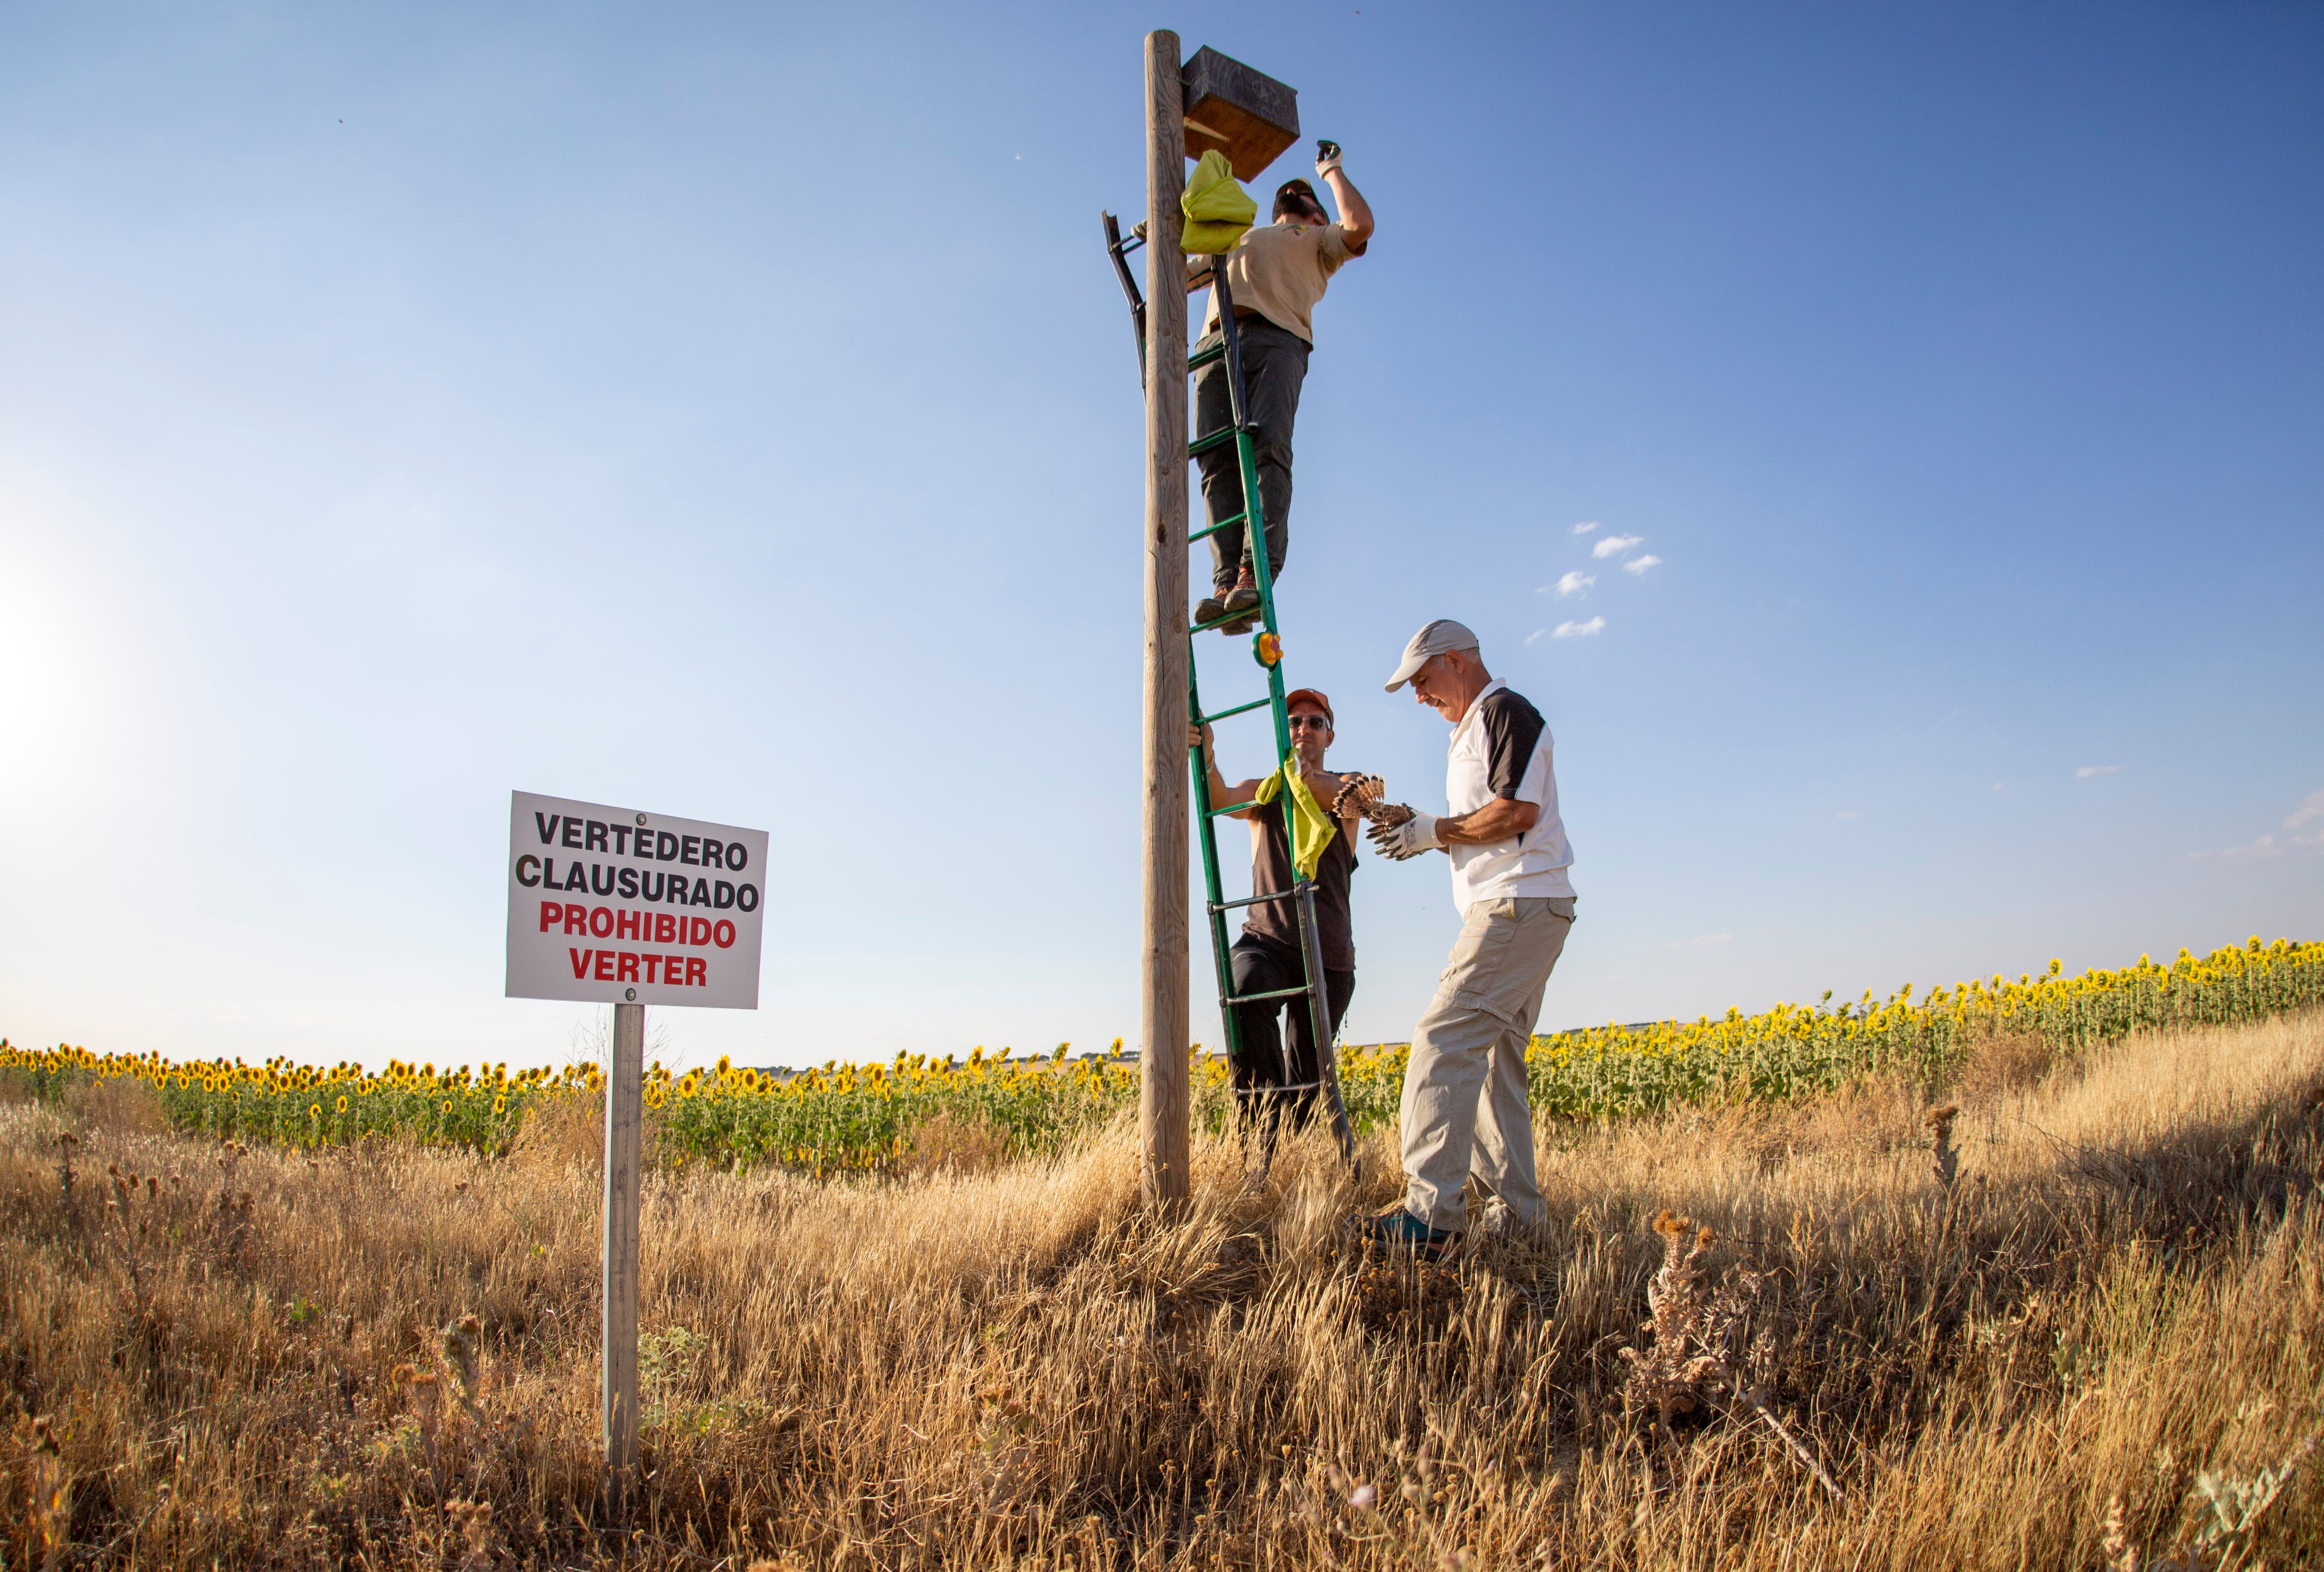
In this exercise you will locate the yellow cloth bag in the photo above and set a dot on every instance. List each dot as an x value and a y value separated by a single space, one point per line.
1312 828
1217 209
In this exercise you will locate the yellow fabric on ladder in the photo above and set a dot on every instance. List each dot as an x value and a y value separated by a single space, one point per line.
1217 209
1312 828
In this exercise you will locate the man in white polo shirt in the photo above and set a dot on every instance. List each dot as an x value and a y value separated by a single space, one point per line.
1465 1087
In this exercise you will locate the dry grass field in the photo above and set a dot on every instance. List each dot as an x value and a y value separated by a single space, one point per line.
2095 1343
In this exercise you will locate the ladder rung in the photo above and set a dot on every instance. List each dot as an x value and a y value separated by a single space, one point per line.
1253 900
1231 808
1197 361
1238 709
1220 622
1216 439
1256 998
1221 525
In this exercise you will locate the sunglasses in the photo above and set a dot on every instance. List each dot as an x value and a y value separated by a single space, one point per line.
1316 721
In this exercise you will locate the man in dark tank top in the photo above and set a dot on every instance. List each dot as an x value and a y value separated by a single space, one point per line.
1281 1067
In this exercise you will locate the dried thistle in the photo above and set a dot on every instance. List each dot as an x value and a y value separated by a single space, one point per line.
128 1237
230 1213
427 1398
2121 1555
1947 1160
473 1521
1691 1326
51 1489
50 1485
1695 1321
461 1340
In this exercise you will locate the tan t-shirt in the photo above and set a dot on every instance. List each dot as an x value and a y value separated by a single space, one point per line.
1279 271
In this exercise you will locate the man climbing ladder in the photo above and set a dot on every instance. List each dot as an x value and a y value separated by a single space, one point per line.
1282 1072
1275 276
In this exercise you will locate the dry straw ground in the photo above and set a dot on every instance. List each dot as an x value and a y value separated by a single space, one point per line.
2082 1330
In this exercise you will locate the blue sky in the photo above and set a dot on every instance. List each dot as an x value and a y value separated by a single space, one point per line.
729 414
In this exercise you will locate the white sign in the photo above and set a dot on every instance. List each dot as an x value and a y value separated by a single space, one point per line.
615 907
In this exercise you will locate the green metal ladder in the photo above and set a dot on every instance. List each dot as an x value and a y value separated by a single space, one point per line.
1267 649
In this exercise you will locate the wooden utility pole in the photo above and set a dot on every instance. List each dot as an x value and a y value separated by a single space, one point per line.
625 1115
1163 1034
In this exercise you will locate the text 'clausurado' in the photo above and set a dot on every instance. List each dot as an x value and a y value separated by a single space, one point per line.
634 863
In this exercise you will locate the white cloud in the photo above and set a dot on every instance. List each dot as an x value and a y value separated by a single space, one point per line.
1585 528
1640 564
1614 545
1851 813
1572 583
1578 630
1536 633
1705 942
2087 771
2302 830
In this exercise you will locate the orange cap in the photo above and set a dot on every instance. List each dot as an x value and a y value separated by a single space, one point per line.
1314 698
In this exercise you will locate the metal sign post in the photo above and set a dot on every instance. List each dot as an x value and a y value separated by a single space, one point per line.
612 906
625 1123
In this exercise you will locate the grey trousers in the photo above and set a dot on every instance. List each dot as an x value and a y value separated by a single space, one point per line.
1464 1087
1274 365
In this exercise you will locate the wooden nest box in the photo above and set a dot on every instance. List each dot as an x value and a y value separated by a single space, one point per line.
1249 117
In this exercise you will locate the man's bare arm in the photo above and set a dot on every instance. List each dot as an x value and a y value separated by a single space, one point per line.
1498 820
1355 213
1221 794
1324 786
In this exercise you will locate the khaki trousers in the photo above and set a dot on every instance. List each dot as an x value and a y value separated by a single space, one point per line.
1465 1087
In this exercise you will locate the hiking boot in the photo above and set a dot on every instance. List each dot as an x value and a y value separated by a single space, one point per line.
1213 606
1242 597
1397 1229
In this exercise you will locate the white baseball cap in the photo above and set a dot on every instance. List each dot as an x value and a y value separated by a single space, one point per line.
1433 640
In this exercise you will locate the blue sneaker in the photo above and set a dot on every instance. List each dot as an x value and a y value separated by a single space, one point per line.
1397 1228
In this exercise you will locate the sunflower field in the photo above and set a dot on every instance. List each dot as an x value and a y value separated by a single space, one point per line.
855 1118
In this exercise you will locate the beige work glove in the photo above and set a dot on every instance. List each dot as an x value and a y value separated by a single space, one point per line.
1327 158
1407 837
